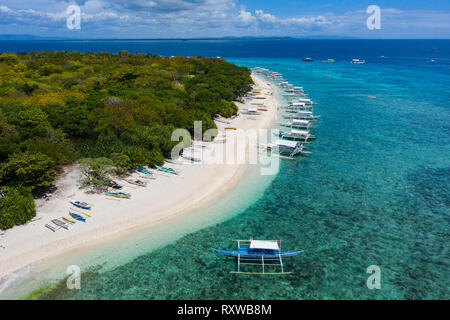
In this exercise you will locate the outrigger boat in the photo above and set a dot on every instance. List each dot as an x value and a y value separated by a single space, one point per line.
306 101
307 115
136 182
68 220
298 135
142 170
86 214
60 224
115 185
252 111
296 123
358 61
290 148
297 106
77 216
111 183
167 170
264 253
82 205
50 227
121 195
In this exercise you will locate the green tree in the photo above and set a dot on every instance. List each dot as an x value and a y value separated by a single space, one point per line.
16 206
121 162
31 170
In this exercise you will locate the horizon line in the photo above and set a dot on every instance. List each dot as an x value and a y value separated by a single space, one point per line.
212 39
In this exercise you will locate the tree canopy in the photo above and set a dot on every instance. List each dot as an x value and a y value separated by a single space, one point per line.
59 107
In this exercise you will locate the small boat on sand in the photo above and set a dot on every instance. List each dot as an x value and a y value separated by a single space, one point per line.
60 223
252 111
77 216
142 170
50 227
82 205
167 170
121 195
86 214
68 220
136 182
111 183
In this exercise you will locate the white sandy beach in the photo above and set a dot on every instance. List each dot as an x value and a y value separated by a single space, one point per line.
166 197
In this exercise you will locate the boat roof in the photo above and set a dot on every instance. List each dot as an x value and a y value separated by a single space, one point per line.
264 244
286 143
300 121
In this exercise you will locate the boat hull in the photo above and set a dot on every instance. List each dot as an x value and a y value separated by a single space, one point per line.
78 205
245 253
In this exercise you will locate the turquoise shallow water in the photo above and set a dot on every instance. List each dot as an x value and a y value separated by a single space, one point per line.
375 191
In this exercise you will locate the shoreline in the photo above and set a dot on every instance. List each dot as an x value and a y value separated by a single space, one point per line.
166 198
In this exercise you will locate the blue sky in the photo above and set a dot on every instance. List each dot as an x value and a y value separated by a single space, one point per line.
217 18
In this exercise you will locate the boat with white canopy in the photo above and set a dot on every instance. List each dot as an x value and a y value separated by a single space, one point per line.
296 123
266 254
298 135
302 115
287 147
297 106
358 61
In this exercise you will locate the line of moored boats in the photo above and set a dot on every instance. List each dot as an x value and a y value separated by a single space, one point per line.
298 115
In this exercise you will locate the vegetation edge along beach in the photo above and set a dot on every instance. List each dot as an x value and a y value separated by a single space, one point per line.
167 196
111 112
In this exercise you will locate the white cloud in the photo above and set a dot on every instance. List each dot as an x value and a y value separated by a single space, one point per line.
194 18
245 18
5 9
266 17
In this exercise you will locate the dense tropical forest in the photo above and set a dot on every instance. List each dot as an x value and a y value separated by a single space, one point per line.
102 109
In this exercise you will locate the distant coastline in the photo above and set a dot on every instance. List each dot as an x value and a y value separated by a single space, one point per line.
27 37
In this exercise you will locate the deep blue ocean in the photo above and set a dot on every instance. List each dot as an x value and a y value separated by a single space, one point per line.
374 191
